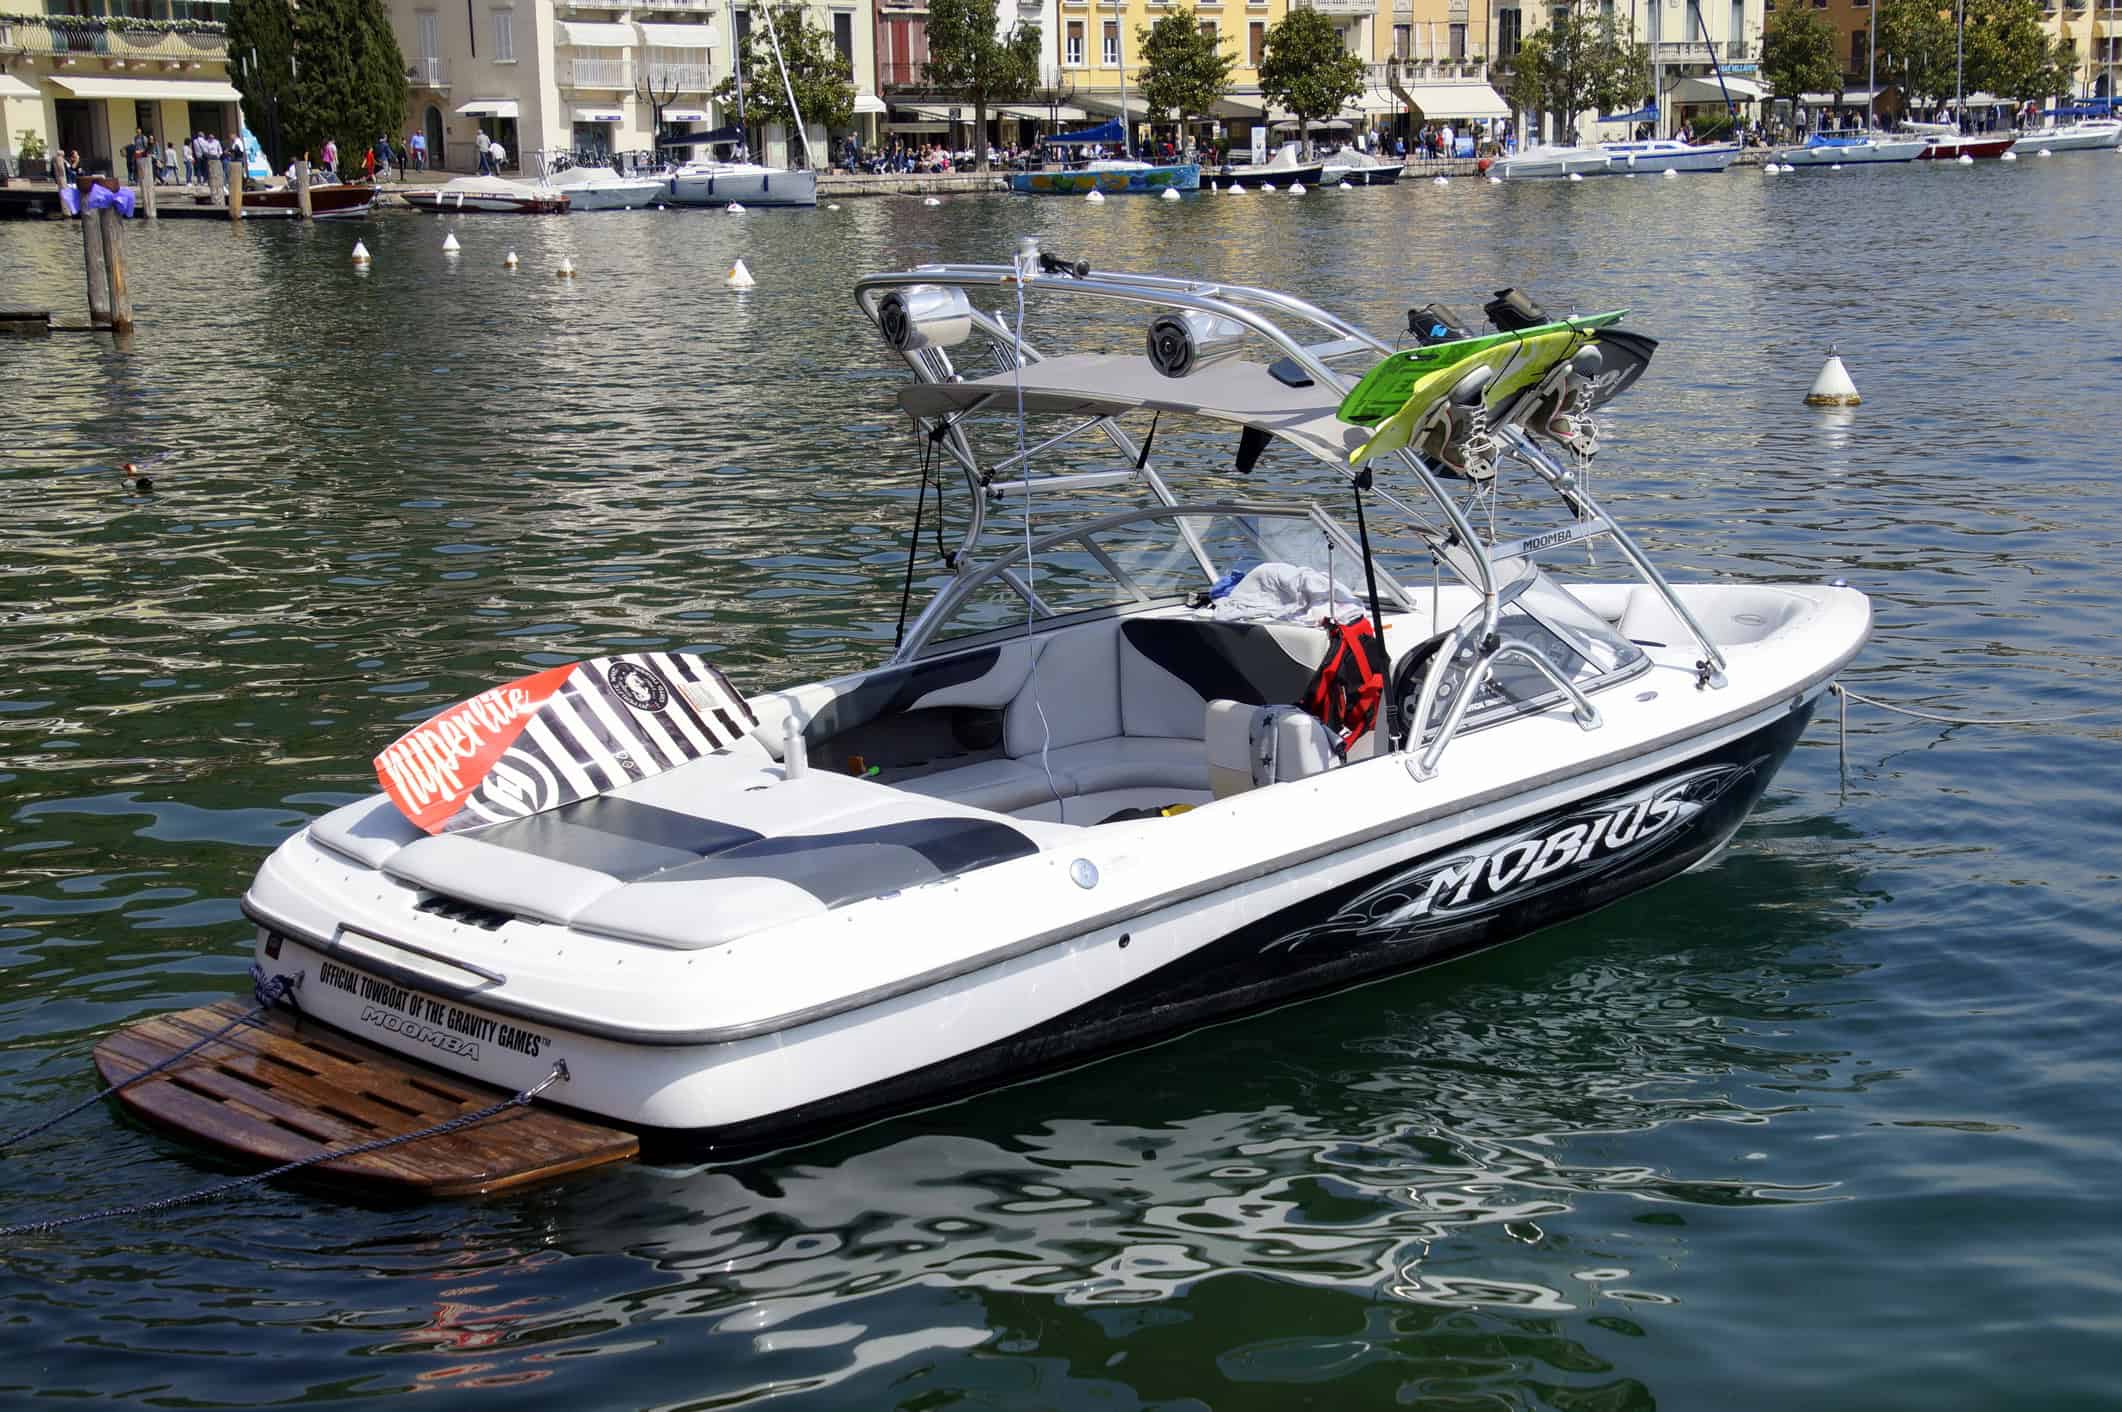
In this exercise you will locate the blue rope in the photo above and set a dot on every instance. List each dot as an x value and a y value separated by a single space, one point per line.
269 990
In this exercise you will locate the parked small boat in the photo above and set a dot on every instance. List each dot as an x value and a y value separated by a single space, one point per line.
1361 169
487 194
2082 136
602 189
716 183
1550 163
332 201
1942 142
1113 176
1843 149
1285 167
1666 154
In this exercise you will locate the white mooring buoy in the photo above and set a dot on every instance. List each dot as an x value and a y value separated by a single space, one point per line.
1964 160
832 205
1267 186
360 253
740 277
1095 196
1296 188
734 208
2044 152
2010 157
1670 172
509 261
566 270
450 245
1440 181
1495 181
1576 176
1833 387
1834 166
931 201
1168 194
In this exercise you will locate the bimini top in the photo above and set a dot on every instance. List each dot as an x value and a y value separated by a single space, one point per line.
1109 384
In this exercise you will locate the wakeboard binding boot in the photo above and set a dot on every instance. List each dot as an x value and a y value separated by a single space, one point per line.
1454 432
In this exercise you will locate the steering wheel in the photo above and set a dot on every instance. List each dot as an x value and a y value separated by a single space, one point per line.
1403 691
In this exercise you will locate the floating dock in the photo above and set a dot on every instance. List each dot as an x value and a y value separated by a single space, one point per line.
281 1091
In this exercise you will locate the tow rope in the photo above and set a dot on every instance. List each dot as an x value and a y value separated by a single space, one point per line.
271 991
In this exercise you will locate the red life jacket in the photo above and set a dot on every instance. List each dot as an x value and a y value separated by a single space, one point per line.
1344 696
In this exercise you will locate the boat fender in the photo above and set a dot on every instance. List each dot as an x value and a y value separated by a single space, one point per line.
1350 683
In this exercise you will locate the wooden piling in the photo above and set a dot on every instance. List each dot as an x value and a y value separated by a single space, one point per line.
235 190
121 295
99 288
213 181
302 186
144 176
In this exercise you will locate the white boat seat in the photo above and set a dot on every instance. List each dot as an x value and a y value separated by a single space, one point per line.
1251 746
1114 764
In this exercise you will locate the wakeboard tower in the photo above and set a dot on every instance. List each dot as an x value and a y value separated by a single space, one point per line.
1082 804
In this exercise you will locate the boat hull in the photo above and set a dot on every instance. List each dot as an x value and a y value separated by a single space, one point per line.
1363 176
327 203
2084 137
1253 179
1621 159
1181 177
742 189
1948 148
1467 881
1550 166
1865 154
616 196
468 203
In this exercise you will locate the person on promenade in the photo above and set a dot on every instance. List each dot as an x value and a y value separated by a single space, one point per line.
331 157
403 152
418 143
500 155
169 163
383 155
486 156
238 160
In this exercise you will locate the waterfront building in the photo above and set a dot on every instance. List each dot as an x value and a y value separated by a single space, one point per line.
84 82
921 113
1702 53
1099 36
1434 63
595 77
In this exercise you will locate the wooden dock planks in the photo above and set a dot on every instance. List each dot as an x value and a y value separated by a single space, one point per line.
275 1092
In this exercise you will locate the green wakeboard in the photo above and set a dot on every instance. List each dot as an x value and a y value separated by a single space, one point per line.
1403 388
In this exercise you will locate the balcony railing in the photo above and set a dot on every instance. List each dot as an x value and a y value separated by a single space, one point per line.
427 73
696 6
680 78
1473 66
34 38
604 73
902 73
1336 7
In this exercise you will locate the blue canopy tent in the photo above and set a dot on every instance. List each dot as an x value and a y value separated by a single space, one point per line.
1647 114
1109 133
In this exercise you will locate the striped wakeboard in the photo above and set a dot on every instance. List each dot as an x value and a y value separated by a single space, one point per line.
561 735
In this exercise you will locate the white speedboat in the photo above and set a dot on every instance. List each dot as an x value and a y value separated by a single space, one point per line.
716 183
1285 168
493 195
1550 163
1668 155
1843 149
1085 803
2084 135
592 188
1361 169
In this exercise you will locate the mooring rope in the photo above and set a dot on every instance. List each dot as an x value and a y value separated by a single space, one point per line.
219 1189
1841 690
270 991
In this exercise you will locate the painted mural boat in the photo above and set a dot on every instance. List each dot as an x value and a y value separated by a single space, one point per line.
1114 177
1095 796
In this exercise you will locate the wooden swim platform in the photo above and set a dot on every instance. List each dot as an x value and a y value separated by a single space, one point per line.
280 1091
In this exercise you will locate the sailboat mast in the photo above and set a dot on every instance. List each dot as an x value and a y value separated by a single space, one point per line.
1959 65
795 114
1127 129
736 65
1871 73
1657 72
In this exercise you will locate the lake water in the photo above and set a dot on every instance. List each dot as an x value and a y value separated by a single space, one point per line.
1833 1123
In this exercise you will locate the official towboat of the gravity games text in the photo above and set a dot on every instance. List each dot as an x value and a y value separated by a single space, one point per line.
1173 739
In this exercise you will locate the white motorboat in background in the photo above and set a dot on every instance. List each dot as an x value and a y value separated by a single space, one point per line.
717 183
489 194
1666 154
593 188
2083 135
1084 804
1549 163
1361 169
1287 166
1843 149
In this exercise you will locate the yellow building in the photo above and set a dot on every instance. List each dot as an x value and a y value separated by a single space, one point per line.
1096 36
86 82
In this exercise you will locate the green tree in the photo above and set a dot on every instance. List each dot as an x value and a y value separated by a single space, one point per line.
824 82
968 59
1184 67
2010 54
331 69
1579 63
1916 48
1798 54
1307 69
